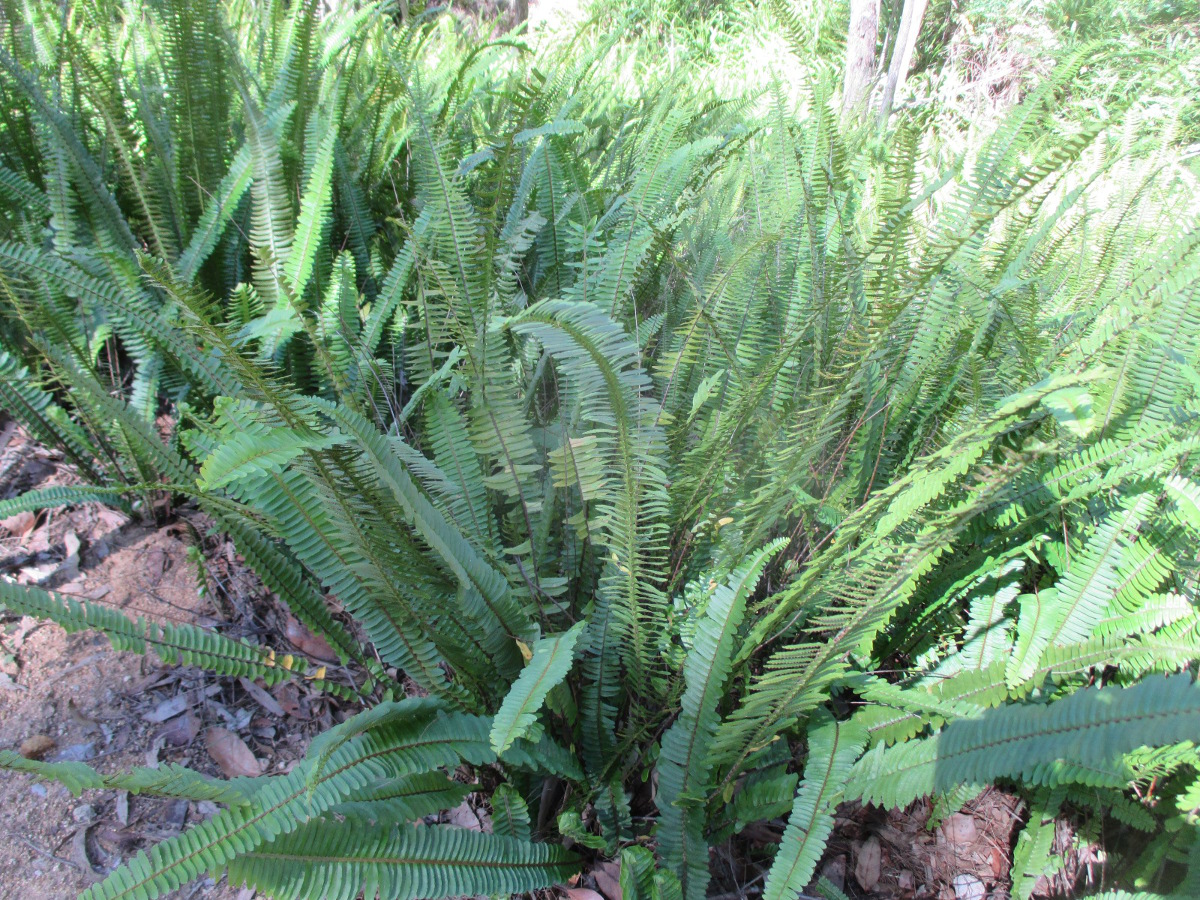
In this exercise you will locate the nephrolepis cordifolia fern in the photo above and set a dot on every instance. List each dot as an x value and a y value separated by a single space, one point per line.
634 432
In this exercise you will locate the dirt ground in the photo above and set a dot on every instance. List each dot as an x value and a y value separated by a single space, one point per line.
72 697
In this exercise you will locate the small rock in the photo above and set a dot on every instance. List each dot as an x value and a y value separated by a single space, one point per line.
75 753
36 746
84 812
835 871
968 887
206 808
960 829
906 880
38 790
177 813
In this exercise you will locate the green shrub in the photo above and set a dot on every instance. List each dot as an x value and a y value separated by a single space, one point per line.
644 437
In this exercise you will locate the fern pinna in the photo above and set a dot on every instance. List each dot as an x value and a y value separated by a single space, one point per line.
647 436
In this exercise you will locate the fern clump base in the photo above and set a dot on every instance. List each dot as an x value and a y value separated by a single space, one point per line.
655 463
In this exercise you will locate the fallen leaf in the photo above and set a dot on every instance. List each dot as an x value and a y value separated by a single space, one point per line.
867 863
19 525
835 871
79 855
608 879
231 753
306 642
168 709
578 893
288 696
181 730
36 746
960 829
121 807
999 863
261 697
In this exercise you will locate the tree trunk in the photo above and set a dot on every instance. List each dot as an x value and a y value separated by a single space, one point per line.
906 43
522 7
860 55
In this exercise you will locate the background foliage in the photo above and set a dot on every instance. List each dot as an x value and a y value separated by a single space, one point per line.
693 455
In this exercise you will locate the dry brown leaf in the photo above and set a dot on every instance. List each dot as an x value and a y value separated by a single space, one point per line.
867 863
289 699
261 697
579 893
231 753
608 879
168 709
306 642
36 746
181 730
19 525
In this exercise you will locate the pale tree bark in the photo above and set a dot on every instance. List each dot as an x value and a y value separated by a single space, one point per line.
906 44
860 56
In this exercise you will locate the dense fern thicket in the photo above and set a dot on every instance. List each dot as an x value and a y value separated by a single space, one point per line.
687 462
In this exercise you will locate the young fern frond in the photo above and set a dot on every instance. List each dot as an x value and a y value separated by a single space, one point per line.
548 666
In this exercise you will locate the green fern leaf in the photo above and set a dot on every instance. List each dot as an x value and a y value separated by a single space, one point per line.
510 814
833 748
314 215
551 661
168 780
684 761
253 453
1074 739
320 862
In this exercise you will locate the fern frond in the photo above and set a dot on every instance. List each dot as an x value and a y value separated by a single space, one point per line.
167 780
1087 731
62 495
684 761
318 862
180 644
551 661
833 748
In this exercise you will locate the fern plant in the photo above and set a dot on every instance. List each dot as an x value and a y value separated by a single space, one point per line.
632 433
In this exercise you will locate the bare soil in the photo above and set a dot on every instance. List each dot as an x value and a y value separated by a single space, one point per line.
75 698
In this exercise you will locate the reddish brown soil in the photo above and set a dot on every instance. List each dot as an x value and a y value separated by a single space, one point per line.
99 706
